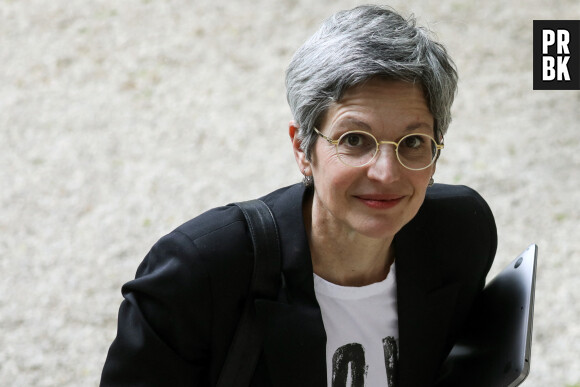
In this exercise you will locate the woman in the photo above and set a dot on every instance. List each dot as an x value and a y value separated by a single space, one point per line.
380 270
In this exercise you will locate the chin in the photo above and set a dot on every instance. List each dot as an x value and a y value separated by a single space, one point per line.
383 227
378 230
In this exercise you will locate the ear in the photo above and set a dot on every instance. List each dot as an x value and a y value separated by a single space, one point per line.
299 155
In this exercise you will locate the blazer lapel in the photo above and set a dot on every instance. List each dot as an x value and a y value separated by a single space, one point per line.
294 336
294 343
425 306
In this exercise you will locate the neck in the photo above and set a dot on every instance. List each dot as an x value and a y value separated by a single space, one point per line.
343 256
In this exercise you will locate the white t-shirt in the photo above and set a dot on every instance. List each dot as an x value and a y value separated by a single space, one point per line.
362 332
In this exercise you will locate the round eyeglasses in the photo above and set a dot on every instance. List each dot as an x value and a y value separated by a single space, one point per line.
357 148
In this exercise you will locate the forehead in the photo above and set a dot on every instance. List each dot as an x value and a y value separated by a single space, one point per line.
380 103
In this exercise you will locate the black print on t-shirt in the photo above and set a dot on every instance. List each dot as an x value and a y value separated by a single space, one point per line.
353 356
391 360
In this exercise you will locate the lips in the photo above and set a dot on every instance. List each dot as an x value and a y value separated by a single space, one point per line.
380 201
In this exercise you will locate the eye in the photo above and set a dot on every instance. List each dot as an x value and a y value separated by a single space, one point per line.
357 140
354 139
413 142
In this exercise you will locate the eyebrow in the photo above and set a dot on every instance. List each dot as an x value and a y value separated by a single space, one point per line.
419 125
367 127
355 122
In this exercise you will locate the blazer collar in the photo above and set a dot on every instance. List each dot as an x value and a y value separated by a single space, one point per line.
286 204
294 336
425 303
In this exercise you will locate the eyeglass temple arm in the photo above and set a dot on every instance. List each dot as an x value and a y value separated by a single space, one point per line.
330 140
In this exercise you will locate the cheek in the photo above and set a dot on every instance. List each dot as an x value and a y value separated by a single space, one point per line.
420 181
325 164
324 154
332 179
333 172
420 184
421 178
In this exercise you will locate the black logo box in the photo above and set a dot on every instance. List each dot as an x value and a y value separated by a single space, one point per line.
573 64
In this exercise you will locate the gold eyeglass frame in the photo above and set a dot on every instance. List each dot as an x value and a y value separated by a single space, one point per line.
438 147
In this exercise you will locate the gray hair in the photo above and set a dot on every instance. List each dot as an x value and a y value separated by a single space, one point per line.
356 45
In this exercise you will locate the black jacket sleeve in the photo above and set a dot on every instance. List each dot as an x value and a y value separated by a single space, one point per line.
164 321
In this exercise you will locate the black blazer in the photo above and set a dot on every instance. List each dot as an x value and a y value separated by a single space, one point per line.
180 313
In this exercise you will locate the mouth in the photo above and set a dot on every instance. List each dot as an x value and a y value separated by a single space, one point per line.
380 201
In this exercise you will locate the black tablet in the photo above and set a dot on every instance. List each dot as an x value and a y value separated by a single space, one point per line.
494 348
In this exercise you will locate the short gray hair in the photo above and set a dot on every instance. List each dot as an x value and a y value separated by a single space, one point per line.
356 45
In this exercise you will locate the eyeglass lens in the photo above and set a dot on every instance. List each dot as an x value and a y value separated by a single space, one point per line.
415 151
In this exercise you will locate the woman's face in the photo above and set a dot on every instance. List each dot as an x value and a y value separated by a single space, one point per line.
376 200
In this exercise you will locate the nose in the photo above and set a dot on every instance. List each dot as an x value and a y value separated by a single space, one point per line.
385 167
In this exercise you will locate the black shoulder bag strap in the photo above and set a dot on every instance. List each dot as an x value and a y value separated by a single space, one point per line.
246 346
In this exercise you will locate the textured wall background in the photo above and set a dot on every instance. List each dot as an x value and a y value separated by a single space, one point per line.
121 120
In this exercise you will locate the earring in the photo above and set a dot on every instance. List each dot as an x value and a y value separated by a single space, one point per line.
431 182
